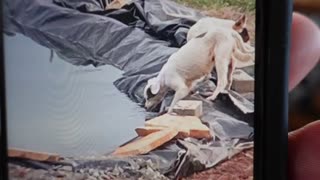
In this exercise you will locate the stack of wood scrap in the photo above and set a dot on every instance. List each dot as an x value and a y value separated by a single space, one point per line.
158 131
117 4
32 155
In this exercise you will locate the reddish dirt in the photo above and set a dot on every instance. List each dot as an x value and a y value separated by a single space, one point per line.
240 167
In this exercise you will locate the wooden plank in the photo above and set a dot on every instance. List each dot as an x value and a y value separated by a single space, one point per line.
199 131
117 4
144 131
37 156
188 126
146 143
242 82
168 120
188 108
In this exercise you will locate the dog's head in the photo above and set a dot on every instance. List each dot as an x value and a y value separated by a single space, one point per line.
240 26
153 94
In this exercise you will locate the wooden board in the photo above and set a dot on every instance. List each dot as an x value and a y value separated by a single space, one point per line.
144 131
146 143
117 4
242 82
188 126
37 156
188 108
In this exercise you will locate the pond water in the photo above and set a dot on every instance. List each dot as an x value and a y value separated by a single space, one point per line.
61 108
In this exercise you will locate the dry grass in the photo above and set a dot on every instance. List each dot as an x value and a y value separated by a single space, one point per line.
234 13
223 9
246 5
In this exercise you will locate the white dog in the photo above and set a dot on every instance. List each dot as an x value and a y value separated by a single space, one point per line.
220 47
206 23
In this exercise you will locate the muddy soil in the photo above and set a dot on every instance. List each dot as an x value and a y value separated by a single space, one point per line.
240 167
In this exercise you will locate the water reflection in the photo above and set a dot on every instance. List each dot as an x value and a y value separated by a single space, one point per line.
57 107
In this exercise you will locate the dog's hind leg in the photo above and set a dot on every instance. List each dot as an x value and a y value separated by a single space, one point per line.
232 67
222 74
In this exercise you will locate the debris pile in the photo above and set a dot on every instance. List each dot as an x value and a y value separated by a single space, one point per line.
158 131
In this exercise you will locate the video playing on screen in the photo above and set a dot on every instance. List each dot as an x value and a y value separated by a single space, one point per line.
130 89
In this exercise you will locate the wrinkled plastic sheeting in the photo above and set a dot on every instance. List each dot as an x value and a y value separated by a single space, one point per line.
137 39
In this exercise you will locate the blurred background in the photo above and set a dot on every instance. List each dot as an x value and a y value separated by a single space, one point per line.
304 101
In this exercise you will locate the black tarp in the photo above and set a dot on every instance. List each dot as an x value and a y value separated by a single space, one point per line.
137 39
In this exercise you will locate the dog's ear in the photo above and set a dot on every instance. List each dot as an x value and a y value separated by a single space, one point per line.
154 86
240 23
245 35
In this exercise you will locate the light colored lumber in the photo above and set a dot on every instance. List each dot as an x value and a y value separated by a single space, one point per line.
117 4
146 143
242 82
188 108
144 131
37 156
188 126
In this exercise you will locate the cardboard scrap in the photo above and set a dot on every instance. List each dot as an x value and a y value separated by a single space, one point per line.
146 143
36 156
188 108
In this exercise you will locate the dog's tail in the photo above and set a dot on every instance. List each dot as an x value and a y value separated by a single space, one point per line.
245 48
240 56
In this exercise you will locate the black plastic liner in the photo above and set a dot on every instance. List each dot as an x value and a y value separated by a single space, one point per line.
137 39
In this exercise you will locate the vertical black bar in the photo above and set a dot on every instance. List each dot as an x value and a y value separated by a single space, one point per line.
272 49
3 141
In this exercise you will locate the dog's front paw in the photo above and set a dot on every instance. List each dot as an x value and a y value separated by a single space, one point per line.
172 113
206 94
211 98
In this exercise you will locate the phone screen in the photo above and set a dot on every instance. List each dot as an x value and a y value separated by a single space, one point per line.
130 89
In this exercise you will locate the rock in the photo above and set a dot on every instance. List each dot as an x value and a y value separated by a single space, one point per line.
91 171
92 178
82 171
105 177
96 174
66 168
60 174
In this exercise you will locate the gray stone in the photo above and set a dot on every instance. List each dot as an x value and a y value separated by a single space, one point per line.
66 168
96 174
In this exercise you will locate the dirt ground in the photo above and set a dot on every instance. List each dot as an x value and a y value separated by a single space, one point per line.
240 167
